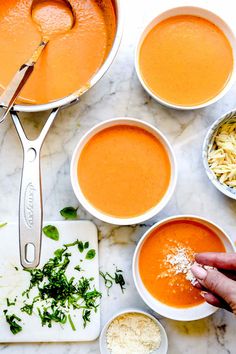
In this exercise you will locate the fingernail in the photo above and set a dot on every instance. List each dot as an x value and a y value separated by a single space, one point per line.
199 272
203 293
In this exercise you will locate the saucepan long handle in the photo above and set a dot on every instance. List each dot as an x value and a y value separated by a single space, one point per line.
31 211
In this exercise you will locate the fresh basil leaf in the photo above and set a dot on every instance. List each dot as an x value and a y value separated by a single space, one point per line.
77 268
80 246
90 254
69 213
86 245
3 224
51 232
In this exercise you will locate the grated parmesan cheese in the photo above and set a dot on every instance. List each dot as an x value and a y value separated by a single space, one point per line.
222 153
133 333
179 260
182 260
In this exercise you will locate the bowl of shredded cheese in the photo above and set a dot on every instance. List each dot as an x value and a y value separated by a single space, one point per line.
219 154
133 331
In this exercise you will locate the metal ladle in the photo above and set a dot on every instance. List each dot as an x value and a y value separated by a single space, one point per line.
15 86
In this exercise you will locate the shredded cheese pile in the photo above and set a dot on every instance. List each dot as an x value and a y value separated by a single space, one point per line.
133 333
222 154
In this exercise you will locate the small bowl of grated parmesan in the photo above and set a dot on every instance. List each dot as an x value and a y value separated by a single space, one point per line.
219 154
133 331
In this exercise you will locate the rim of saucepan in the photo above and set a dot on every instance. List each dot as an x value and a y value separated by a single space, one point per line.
179 314
74 97
164 339
210 137
197 11
99 214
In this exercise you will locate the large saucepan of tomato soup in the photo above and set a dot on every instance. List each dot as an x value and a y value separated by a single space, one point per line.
162 263
72 61
185 58
123 171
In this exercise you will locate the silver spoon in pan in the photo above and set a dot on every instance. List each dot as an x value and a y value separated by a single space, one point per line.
45 15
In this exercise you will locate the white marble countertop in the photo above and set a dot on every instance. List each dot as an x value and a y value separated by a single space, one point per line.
120 94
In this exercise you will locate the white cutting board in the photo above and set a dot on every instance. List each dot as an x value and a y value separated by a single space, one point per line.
13 282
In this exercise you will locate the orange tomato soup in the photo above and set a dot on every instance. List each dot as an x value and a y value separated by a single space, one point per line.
124 171
186 60
162 254
70 59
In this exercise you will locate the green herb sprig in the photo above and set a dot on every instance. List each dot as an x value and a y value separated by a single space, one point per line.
110 280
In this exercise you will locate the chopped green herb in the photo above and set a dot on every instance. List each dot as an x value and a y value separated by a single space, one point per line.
80 246
86 245
57 293
71 323
69 213
67 245
83 286
107 281
59 252
78 268
51 232
11 303
16 268
90 254
12 321
52 315
86 316
3 224
28 308
117 278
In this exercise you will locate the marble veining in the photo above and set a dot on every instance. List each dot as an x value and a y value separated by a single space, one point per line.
120 94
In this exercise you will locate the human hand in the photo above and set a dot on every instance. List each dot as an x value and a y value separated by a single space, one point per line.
218 285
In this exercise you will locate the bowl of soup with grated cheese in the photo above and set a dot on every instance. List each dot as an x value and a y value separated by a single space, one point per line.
123 171
185 58
162 265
